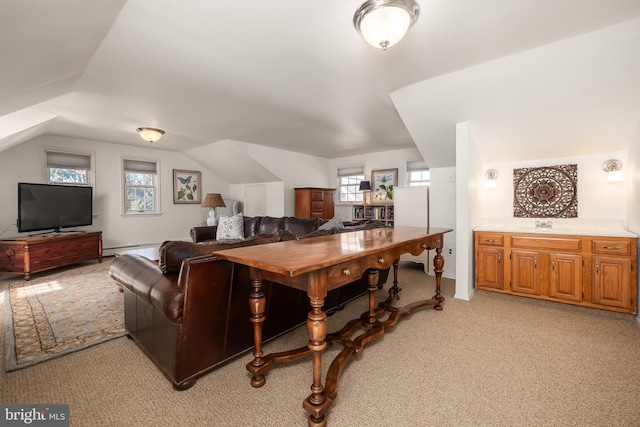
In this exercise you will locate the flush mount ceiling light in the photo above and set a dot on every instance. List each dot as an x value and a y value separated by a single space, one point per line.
384 23
150 134
612 168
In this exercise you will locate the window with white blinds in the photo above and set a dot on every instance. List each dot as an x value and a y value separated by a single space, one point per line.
68 167
417 173
140 186
349 184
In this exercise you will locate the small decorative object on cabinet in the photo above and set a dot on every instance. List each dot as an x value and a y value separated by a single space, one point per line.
380 212
312 202
591 271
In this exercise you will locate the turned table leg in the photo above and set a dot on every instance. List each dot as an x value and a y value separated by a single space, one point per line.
438 264
316 403
257 304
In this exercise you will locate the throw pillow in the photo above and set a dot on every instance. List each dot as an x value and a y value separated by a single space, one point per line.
230 228
335 222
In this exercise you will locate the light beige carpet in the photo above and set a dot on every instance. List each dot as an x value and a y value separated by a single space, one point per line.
497 360
59 312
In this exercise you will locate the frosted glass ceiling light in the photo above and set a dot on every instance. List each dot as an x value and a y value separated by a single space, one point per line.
384 23
150 134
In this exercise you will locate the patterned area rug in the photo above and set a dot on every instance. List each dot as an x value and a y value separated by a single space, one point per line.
60 313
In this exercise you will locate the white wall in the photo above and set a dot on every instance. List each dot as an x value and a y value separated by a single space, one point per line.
25 163
632 169
597 199
468 213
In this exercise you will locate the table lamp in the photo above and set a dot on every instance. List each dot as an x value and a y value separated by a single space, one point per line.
212 201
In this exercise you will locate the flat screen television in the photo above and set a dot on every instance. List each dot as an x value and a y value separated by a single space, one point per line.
52 207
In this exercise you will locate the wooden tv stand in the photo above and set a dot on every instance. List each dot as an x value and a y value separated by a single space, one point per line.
32 254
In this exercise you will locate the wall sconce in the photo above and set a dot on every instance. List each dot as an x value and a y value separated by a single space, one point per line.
490 178
612 168
365 187
150 134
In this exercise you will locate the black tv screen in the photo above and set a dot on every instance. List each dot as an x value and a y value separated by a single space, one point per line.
52 207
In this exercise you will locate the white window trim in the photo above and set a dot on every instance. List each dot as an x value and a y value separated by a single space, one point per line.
352 170
123 198
408 169
91 176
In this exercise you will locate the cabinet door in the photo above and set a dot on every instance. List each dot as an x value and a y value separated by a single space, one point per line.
525 275
611 278
565 277
489 268
328 205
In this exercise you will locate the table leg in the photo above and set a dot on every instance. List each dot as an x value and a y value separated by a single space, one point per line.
257 304
373 279
438 264
395 289
316 403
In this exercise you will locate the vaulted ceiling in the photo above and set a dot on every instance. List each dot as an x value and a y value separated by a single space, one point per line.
289 74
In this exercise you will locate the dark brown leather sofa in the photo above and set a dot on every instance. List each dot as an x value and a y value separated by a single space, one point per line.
190 313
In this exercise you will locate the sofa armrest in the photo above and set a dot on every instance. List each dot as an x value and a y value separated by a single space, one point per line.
200 234
143 277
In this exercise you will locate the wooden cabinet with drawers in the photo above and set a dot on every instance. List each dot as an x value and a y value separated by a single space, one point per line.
314 202
584 270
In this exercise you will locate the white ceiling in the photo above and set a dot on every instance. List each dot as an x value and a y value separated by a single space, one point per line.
288 74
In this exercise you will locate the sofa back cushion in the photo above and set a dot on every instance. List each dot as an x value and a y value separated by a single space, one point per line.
301 226
251 225
270 225
172 253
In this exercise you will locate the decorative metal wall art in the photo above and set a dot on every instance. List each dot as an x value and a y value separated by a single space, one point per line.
546 192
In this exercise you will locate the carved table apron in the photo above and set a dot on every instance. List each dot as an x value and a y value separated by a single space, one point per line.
318 265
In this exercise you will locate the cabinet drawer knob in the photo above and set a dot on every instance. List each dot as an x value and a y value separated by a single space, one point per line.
491 241
423 246
346 272
10 253
381 260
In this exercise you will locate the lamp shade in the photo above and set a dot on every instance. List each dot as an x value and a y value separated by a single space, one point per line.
384 23
365 186
150 134
213 200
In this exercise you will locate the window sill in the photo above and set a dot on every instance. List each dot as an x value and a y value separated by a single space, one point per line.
140 214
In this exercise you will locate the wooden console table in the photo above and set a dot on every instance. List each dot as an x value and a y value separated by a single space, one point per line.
32 254
318 265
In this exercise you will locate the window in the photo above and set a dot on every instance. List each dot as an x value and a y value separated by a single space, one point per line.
349 184
417 173
140 186
68 168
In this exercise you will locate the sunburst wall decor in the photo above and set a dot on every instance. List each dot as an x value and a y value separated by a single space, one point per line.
546 192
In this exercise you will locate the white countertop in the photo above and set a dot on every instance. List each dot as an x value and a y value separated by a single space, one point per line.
566 227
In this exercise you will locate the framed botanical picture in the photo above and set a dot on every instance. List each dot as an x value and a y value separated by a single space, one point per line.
382 183
186 186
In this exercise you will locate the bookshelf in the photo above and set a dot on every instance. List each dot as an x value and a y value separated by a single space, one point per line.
378 212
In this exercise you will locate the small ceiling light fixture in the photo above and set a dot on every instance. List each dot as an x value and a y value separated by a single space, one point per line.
150 134
491 176
384 23
612 168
